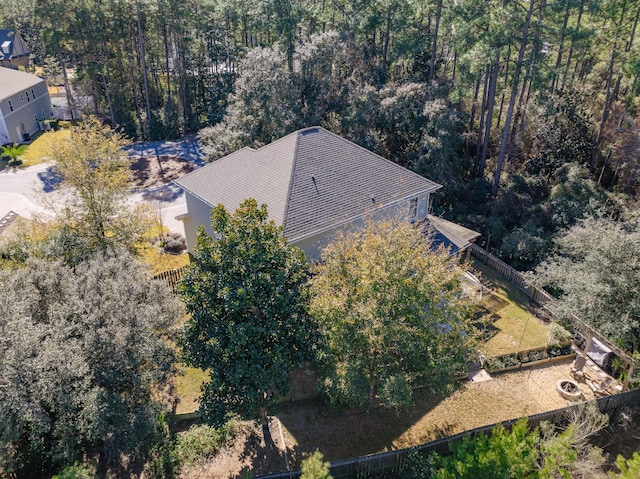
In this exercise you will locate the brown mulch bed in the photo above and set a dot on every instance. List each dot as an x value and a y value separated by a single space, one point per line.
151 171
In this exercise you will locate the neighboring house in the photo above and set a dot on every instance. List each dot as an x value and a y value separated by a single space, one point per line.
24 104
315 184
14 52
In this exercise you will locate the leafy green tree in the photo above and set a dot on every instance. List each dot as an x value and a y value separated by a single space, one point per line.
501 454
91 211
315 467
271 100
390 313
561 135
595 275
84 364
245 293
542 452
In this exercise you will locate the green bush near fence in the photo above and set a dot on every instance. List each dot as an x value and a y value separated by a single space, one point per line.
202 442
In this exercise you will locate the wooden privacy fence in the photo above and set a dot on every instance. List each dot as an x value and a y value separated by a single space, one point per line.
388 464
172 277
511 274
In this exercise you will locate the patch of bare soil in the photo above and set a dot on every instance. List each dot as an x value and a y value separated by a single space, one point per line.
257 451
151 171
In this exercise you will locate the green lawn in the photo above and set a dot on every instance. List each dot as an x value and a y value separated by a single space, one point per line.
40 148
508 317
188 388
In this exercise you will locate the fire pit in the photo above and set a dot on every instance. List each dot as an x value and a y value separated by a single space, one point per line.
569 389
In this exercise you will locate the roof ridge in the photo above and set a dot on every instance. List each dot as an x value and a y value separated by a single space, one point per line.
222 159
392 163
293 171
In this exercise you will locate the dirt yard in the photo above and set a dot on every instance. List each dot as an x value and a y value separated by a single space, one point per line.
149 171
310 425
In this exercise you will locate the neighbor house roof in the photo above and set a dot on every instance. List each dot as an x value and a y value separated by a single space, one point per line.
312 180
15 81
12 45
451 236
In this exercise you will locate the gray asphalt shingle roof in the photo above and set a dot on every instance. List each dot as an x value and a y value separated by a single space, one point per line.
14 81
311 180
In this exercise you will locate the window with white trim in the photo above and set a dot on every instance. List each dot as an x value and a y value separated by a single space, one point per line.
413 207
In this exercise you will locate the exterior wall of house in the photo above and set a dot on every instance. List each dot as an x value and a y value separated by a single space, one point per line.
199 214
16 62
312 246
4 133
23 112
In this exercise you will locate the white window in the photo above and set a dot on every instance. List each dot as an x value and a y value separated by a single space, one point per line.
413 207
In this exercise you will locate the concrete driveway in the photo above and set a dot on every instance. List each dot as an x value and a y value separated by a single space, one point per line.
23 189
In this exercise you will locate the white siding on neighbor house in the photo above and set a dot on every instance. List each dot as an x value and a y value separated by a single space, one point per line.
22 112
4 134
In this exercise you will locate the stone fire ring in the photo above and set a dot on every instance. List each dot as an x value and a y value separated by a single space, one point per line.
569 389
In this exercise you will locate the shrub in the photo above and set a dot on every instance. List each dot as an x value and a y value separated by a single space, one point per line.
315 467
77 471
418 466
173 242
558 335
202 442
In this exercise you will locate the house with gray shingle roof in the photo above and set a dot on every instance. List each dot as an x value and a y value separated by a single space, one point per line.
14 52
24 104
315 183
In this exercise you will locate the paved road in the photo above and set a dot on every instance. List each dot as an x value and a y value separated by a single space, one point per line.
24 190
186 147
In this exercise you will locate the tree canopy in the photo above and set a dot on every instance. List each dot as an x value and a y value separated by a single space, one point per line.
541 453
84 363
91 209
595 275
391 315
244 291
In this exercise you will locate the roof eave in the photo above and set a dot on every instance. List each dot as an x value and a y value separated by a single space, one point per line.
362 215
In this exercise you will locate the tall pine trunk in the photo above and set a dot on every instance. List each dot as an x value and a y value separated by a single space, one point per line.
512 100
143 62
434 42
490 103
477 171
